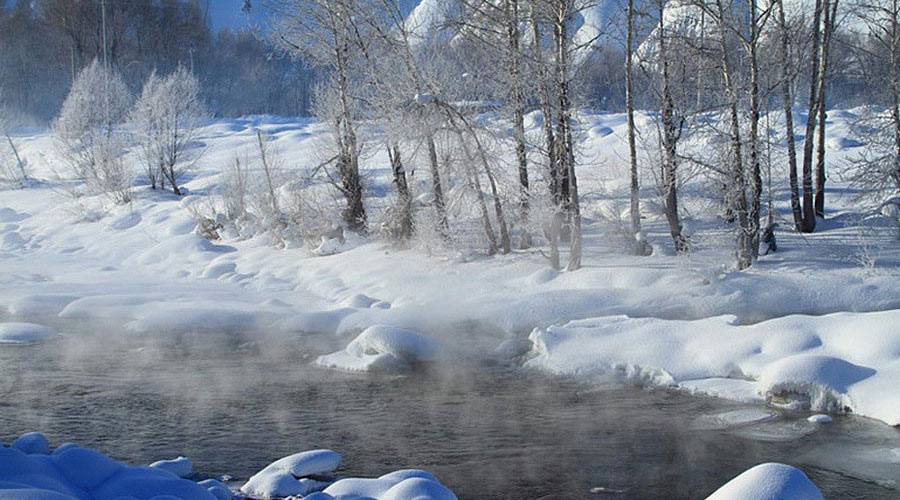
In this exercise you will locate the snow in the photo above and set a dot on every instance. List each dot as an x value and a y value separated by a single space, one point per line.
383 348
769 481
827 363
32 443
819 419
27 471
400 485
287 476
310 475
181 466
25 333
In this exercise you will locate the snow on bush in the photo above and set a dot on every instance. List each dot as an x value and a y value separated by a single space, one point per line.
166 118
383 348
838 362
90 135
769 481
25 333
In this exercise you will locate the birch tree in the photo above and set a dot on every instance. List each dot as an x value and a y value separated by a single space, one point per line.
322 31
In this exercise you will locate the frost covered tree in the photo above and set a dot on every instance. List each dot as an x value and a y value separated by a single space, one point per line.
166 117
323 32
876 169
89 131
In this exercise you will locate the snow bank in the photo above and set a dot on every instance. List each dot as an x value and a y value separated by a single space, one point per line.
29 472
383 348
297 474
181 466
400 485
25 333
846 361
770 481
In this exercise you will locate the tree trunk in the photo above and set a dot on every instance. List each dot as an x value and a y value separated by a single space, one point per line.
354 214
788 102
753 140
670 143
443 225
830 12
641 247
404 199
809 215
736 196
518 116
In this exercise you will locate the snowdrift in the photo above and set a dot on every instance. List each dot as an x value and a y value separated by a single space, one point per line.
834 363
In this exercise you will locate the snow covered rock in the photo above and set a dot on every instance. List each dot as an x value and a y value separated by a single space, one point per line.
771 481
293 475
181 466
25 333
75 473
383 348
819 419
399 485
217 489
823 380
32 443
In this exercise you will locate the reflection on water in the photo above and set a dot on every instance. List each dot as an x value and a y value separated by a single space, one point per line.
487 432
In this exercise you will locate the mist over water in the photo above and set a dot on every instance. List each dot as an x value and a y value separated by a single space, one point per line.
234 403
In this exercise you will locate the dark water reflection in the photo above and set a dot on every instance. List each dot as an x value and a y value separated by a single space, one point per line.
486 432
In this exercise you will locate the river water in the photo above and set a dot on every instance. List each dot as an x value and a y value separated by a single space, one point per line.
487 431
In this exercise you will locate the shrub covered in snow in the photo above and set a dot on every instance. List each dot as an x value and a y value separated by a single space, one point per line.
91 140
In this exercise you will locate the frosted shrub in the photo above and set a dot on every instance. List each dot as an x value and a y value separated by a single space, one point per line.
166 118
89 132
13 167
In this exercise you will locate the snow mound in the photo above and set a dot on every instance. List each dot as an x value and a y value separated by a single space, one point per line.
832 363
297 474
400 485
181 466
9 215
75 473
32 443
25 333
383 348
822 379
769 481
34 305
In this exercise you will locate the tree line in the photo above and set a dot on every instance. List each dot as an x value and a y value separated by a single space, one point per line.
44 44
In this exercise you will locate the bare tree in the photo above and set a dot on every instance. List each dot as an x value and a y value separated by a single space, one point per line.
672 125
828 27
641 246
323 31
787 101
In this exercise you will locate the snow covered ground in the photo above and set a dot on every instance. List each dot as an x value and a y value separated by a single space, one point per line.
813 324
